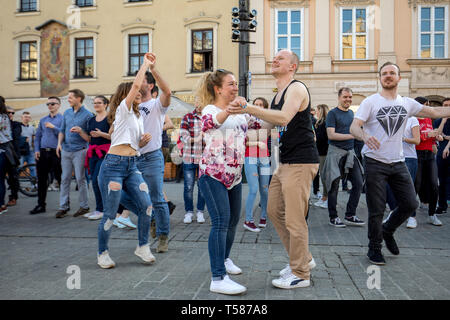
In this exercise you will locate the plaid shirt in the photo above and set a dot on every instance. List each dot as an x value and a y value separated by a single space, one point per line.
191 127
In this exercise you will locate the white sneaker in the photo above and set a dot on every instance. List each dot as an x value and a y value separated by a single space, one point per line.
117 224
226 286
96 215
290 281
318 195
126 222
322 204
87 215
200 218
231 267
145 254
434 220
104 260
412 223
287 270
188 217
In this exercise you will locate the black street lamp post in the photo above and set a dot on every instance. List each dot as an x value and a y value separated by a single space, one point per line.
243 21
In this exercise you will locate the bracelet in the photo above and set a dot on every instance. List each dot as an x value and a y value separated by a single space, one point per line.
244 106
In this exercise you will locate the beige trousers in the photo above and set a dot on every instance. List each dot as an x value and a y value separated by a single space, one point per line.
287 208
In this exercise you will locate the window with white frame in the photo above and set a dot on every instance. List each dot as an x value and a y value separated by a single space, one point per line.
433 35
289 31
354 34
28 5
138 46
28 60
84 58
85 3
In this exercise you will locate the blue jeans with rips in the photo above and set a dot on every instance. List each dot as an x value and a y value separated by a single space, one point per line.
121 182
189 170
224 208
151 164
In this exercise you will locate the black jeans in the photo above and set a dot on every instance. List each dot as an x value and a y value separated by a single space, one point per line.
378 175
443 167
355 177
427 177
48 162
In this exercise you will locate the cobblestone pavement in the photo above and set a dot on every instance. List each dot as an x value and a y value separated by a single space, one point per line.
36 253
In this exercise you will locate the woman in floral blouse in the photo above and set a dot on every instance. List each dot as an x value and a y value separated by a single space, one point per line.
221 172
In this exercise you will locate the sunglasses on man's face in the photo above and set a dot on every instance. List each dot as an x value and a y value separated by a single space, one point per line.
10 112
51 103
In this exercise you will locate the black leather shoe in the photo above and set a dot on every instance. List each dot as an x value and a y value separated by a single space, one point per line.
376 257
38 209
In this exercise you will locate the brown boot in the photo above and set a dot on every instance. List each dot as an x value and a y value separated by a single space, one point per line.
163 244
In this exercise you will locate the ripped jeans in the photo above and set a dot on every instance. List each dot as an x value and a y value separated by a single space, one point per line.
257 172
120 181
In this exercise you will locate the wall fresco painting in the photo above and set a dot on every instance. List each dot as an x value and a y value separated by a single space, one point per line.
55 63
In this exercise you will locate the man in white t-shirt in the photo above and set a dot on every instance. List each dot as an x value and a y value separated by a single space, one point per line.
151 160
380 122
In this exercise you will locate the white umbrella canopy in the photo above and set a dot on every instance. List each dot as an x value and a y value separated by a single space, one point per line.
41 110
178 108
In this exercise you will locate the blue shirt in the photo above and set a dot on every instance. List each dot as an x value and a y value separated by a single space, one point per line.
46 137
341 122
72 140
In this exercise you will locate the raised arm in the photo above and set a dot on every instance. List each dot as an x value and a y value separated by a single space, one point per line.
149 60
162 84
434 112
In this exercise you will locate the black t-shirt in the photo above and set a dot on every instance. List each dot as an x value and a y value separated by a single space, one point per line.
341 122
297 143
321 138
102 126
445 131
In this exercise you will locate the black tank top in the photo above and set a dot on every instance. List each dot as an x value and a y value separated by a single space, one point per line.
297 143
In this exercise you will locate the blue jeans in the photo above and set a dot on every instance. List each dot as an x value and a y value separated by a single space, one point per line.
224 208
3 170
95 164
121 182
189 170
151 164
29 159
411 164
257 172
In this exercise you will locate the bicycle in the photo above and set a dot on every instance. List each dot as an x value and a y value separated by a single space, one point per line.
27 183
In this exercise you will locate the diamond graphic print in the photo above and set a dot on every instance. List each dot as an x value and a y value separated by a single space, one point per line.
392 118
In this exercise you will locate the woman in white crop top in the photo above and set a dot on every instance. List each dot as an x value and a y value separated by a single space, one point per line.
119 179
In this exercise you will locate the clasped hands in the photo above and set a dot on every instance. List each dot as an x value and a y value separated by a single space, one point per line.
237 106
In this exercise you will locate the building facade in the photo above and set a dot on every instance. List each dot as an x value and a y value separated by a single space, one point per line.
344 42
52 46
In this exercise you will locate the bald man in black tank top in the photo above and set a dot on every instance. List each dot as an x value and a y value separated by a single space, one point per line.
299 162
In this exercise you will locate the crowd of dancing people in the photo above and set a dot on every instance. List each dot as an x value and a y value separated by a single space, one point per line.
390 149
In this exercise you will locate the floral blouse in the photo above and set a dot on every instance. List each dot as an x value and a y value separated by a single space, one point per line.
224 151
5 129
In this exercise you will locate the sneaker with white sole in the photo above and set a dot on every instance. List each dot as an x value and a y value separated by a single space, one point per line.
105 261
412 223
96 215
336 222
290 281
312 264
318 195
200 217
434 220
126 222
188 217
117 224
231 267
226 286
354 221
250 226
87 215
145 254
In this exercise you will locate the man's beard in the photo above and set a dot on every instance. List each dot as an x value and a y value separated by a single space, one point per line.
389 87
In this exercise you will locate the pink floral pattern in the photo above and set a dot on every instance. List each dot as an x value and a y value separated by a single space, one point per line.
223 155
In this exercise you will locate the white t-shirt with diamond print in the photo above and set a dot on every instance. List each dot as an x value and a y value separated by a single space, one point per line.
386 120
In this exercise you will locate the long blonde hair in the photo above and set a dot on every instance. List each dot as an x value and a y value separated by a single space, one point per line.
205 89
323 114
121 93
